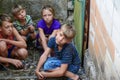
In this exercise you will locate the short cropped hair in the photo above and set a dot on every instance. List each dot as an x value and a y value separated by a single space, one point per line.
5 17
68 31
16 9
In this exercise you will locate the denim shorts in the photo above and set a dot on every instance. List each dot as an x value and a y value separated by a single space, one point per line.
52 63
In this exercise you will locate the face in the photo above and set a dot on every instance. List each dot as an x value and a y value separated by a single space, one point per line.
6 28
21 15
47 16
60 38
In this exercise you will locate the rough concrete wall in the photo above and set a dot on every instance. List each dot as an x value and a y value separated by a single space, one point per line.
33 7
104 40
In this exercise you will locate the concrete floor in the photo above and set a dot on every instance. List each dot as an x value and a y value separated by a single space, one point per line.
27 73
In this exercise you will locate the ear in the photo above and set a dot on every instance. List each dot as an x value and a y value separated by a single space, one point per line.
70 40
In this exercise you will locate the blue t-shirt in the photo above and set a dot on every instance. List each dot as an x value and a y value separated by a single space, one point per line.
68 54
54 26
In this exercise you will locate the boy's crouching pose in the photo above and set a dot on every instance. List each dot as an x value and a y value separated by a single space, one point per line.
66 61
12 45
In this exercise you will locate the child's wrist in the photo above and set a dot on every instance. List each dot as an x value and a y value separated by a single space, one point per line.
31 31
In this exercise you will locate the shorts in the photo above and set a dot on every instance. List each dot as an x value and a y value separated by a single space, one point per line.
52 63
10 51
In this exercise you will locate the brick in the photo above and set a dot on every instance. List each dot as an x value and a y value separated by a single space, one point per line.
100 41
108 40
91 48
92 19
98 18
102 28
92 6
96 48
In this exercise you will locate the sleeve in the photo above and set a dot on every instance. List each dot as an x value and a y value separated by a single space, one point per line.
29 20
51 42
57 24
40 24
18 27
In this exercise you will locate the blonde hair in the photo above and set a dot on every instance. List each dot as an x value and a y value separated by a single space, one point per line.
16 9
48 7
68 31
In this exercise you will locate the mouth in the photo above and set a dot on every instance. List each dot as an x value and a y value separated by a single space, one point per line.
9 32
23 17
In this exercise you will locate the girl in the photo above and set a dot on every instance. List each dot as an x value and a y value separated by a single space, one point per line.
48 26
12 45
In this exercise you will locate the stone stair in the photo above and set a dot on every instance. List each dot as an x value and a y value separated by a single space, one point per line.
27 73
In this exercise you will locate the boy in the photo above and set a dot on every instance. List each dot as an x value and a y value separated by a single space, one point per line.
23 23
66 61
12 45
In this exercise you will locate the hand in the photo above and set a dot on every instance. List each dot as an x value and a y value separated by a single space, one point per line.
31 29
39 75
17 63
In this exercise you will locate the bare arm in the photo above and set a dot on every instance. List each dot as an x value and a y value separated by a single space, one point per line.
29 29
56 73
53 33
43 38
15 62
19 43
43 58
41 62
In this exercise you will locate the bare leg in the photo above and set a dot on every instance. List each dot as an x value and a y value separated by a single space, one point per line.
68 74
71 75
54 69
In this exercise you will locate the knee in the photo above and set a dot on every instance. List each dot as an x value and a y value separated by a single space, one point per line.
23 53
3 46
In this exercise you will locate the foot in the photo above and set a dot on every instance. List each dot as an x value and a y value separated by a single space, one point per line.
77 78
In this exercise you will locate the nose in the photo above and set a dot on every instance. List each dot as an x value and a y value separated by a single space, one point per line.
47 16
61 38
10 28
22 15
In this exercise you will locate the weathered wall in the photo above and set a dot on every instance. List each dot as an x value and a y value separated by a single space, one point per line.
33 7
104 38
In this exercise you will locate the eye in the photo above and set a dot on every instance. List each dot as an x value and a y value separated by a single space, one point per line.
8 26
49 14
44 15
60 34
21 11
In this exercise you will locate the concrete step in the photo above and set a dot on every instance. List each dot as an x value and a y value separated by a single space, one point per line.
27 73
